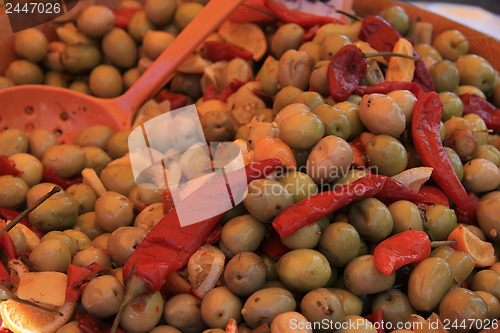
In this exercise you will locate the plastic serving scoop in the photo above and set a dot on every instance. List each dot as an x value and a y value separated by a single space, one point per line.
65 112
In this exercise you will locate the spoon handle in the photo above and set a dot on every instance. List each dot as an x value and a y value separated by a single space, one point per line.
184 44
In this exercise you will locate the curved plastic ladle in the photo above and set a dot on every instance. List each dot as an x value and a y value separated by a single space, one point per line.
65 112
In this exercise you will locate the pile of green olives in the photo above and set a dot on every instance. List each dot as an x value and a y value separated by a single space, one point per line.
324 272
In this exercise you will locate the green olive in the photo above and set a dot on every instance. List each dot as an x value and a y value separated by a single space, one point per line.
160 12
96 158
406 101
287 37
468 89
452 105
322 305
372 219
350 30
102 296
331 45
30 44
118 178
461 265
24 72
266 199
451 44
268 76
106 81
397 17
294 69
481 175
285 97
445 75
461 305
143 313
62 237
186 12
13 191
318 79
155 42
440 222
51 255
138 25
487 280
382 115
490 153
312 49
220 305
351 110
443 252
84 196
242 234
334 120
352 304
362 276
299 184
183 312
217 126
130 77
428 283
476 71
18 238
489 218
119 48
113 210
309 98
77 59
101 241
329 160
55 79
339 242
426 50
95 21
117 145
80 86
122 243
492 304
455 162
265 304
303 270
406 216
57 213
305 238
301 131
395 306
387 154
66 160
87 224
245 273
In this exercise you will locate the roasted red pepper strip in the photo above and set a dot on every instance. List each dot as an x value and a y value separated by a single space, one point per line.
7 167
214 235
244 14
388 86
394 191
425 124
90 324
76 279
305 20
123 16
407 247
209 93
377 319
49 176
272 246
169 246
345 71
177 101
8 245
382 37
219 51
435 195
477 105
230 89
463 217
310 34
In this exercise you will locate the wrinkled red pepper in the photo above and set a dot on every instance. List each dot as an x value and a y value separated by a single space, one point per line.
307 211
345 71
462 216
123 16
425 125
477 105
7 244
310 34
76 279
388 86
49 176
7 167
219 51
90 324
230 89
377 319
382 37
305 20
209 93
407 247
435 194
168 246
243 14
177 101
272 246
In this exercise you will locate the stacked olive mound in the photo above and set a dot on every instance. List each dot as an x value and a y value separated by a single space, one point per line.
94 55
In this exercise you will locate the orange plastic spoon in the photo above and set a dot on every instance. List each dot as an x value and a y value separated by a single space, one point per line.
66 112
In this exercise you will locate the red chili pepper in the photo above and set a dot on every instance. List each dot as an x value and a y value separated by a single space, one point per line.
214 235
76 279
219 51
123 16
209 93
407 247
7 167
90 324
4 275
176 100
388 86
307 211
425 124
305 20
272 246
310 34
462 216
49 176
345 71
8 245
435 194
243 14
169 246
382 37
477 105
230 89
377 318
465 284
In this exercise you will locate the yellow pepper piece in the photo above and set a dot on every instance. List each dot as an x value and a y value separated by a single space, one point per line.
401 69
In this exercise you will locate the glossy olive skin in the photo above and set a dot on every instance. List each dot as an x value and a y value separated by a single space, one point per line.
84 196
61 236
372 219
242 234
362 276
490 153
303 270
220 305
102 296
301 131
397 17
265 304
24 72
487 280
266 199
481 175
117 145
97 135
96 158
461 265
387 154
318 79
13 141
294 69
286 37
87 224
183 312
185 13
322 304
339 242
113 210
455 162
268 75
331 45
406 216
13 191
118 178
106 81
78 59
305 238
488 216
329 160
395 305
452 105
440 222
445 75
428 283
122 243
51 255
56 213
142 313
352 304
451 44
382 115
119 48
462 304
285 97
335 121
66 160
492 304
92 254
299 184
245 273
476 71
